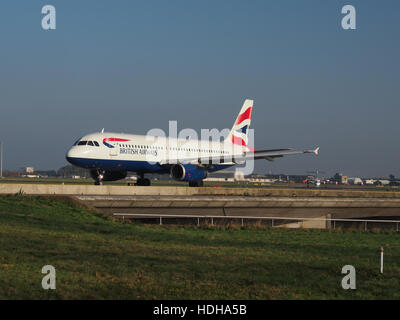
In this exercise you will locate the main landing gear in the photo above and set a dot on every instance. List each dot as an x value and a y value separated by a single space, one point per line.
142 181
196 183
99 180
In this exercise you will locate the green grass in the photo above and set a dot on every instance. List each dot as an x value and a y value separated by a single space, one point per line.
100 258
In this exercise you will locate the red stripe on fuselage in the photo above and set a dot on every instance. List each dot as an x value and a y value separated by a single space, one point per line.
115 139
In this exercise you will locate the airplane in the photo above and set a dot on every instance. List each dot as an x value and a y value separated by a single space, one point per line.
110 156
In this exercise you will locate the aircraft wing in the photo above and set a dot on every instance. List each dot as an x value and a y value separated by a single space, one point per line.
269 155
278 153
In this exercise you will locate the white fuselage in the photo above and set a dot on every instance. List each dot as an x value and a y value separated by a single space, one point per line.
130 152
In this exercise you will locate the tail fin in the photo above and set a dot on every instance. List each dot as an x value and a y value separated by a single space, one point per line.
240 129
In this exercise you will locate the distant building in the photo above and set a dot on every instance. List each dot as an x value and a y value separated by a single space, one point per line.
237 176
340 178
221 175
287 178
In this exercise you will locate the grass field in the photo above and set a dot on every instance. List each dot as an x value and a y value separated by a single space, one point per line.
99 258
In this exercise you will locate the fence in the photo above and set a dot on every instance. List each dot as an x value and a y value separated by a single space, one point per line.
334 222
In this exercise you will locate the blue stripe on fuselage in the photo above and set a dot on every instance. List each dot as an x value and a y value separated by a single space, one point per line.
129 165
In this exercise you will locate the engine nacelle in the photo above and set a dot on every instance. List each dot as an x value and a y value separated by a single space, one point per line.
188 172
107 175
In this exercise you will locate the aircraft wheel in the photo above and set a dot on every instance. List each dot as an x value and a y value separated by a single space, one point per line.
99 179
196 183
143 182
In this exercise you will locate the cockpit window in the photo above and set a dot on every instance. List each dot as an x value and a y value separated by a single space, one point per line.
85 142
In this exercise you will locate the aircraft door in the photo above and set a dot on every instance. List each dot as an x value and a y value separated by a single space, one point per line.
114 151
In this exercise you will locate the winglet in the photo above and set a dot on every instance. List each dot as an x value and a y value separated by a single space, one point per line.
315 151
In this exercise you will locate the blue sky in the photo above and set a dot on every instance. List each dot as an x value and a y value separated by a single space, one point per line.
131 66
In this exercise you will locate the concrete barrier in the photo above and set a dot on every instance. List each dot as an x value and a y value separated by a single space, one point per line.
68 189
234 202
262 202
245 206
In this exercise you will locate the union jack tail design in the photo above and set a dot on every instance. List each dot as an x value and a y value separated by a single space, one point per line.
239 133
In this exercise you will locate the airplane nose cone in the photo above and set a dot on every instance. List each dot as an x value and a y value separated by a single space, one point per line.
71 156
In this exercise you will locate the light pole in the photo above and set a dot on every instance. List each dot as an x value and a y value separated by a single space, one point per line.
1 159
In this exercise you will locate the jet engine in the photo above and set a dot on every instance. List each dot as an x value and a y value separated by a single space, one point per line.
188 172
